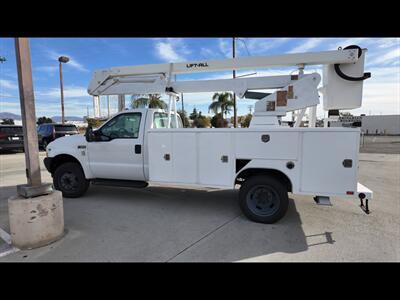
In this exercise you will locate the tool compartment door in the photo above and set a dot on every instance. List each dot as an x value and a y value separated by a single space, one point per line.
160 145
216 161
323 167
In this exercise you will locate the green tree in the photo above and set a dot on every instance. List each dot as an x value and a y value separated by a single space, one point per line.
43 120
245 121
203 121
194 115
94 122
152 101
184 118
199 121
7 122
221 102
218 121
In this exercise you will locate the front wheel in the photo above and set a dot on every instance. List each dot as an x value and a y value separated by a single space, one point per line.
70 180
263 199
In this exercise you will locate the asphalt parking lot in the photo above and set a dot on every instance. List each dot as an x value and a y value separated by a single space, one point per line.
160 224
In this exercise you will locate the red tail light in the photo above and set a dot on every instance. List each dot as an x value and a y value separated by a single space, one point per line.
3 136
349 193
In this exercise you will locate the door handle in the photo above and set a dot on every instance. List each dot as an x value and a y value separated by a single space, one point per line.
138 149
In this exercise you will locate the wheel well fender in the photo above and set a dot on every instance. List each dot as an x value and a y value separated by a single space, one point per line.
61 159
247 173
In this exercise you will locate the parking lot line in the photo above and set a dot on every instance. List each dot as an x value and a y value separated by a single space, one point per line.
5 236
8 248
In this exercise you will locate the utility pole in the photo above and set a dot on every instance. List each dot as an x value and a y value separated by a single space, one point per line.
34 196
27 101
234 76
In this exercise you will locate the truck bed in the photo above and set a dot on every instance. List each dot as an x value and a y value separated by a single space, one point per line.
214 157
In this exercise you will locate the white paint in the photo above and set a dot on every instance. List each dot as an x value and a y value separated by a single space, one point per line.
8 250
5 236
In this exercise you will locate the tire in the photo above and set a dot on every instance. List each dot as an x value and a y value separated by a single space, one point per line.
263 199
70 180
44 144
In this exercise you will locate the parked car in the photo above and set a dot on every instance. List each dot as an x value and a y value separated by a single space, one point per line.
49 132
11 137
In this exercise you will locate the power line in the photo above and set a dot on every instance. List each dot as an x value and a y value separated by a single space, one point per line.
245 45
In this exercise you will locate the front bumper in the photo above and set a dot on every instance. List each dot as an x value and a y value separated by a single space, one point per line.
12 146
47 163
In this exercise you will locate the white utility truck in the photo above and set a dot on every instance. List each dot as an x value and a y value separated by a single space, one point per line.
267 160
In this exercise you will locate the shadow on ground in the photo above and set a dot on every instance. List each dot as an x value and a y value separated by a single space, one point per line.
163 224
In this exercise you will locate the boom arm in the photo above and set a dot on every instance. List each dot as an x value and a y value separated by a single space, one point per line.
342 86
151 73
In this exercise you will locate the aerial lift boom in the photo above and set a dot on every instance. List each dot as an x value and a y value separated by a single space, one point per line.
343 77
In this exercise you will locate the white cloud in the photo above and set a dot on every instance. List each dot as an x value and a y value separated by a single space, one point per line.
76 65
171 49
6 105
309 44
73 63
389 42
207 52
47 69
8 84
6 95
262 45
347 42
69 92
225 46
388 57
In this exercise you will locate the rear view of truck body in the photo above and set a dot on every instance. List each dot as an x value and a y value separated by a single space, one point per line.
317 161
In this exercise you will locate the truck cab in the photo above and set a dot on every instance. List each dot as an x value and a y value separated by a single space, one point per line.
114 153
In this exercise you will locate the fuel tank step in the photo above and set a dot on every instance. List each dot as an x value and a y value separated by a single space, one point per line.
322 200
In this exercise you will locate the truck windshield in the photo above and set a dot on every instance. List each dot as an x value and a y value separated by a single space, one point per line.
161 120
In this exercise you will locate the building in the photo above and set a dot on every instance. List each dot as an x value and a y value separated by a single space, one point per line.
381 124
371 125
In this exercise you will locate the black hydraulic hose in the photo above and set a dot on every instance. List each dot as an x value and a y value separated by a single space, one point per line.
349 78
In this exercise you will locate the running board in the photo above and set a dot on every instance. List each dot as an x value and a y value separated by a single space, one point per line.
322 200
120 183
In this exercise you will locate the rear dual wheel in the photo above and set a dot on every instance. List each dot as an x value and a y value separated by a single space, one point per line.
263 199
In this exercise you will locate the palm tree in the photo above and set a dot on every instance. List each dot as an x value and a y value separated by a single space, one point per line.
153 101
221 101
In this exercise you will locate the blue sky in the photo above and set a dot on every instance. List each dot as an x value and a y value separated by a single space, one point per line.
381 92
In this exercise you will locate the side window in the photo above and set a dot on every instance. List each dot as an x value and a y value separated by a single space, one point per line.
123 126
161 120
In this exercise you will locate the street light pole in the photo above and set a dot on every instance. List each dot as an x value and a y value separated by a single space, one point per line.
234 94
62 59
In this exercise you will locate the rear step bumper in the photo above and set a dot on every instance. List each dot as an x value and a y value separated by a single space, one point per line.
362 189
366 194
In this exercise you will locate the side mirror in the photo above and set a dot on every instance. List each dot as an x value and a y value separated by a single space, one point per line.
89 134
